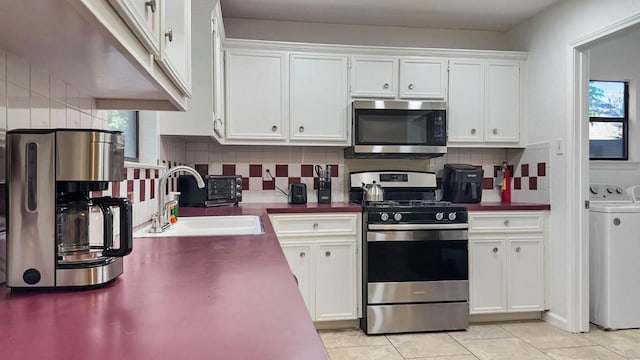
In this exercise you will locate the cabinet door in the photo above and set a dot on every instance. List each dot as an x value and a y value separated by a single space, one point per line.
466 101
318 97
256 95
143 18
525 269
218 73
423 78
335 280
374 77
502 102
175 43
487 277
299 257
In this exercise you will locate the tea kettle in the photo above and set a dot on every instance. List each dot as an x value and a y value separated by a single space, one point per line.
372 192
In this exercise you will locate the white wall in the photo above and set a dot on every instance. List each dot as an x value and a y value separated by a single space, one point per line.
618 58
363 34
546 37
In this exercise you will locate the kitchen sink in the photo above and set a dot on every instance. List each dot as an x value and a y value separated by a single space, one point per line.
209 226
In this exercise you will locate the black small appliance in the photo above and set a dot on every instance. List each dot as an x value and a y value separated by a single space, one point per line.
218 190
462 183
297 193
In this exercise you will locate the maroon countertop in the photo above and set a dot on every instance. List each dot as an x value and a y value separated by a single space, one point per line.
496 206
222 297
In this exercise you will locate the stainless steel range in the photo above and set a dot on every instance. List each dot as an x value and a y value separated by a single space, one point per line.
415 256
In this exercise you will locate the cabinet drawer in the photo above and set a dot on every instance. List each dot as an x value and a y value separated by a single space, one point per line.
315 224
510 222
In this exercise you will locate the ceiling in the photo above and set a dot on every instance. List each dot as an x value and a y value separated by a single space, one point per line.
493 15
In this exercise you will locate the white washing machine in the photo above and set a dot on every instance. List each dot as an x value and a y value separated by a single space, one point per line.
614 258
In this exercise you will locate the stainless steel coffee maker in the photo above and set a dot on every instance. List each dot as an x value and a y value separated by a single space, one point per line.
51 240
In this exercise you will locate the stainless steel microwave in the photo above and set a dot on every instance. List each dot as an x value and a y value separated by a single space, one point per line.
398 129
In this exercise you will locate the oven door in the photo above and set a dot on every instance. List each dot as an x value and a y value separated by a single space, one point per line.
395 127
404 266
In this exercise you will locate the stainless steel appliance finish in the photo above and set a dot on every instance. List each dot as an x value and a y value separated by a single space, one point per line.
398 129
385 319
372 192
218 190
48 228
415 256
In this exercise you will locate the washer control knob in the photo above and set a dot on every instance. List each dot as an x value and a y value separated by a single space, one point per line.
439 216
609 190
618 191
397 216
384 216
452 216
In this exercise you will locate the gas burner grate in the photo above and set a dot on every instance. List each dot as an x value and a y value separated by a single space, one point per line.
417 203
385 203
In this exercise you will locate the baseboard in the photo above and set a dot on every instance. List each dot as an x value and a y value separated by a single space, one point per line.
336 325
484 318
555 320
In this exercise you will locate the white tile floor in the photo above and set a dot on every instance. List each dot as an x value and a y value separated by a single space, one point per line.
522 341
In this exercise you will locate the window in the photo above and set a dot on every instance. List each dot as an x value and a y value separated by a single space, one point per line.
608 120
127 122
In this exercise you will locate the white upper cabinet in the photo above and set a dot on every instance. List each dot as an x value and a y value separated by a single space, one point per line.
466 101
175 43
419 77
484 102
374 77
218 72
143 17
318 100
256 94
503 102
423 78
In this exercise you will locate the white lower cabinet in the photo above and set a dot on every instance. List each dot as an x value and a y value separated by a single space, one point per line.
324 261
506 265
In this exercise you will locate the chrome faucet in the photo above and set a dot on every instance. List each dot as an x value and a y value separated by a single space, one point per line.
160 220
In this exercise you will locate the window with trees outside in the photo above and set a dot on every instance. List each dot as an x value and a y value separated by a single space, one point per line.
127 122
608 120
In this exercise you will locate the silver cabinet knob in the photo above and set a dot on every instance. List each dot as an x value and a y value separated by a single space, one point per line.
301 129
302 254
495 131
506 222
328 253
274 128
518 249
169 34
495 250
410 86
315 225
473 131
385 86
151 4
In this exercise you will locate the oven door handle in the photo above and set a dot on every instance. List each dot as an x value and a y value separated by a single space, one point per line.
418 226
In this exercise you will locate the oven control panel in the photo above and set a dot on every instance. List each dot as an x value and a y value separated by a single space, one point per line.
406 216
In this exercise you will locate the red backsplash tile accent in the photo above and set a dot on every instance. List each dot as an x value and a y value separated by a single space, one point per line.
282 170
245 183
517 183
157 174
152 189
255 170
130 190
268 185
294 180
136 173
487 183
142 189
510 167
96 194
524 169
147 173
542 169
228 169
334 171
306 170
533 183
115 189
202 169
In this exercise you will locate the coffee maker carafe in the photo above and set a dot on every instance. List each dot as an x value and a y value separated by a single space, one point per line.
51 174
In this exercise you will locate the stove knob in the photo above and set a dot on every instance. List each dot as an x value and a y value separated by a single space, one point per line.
439 216
384 216
452 216
397 216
